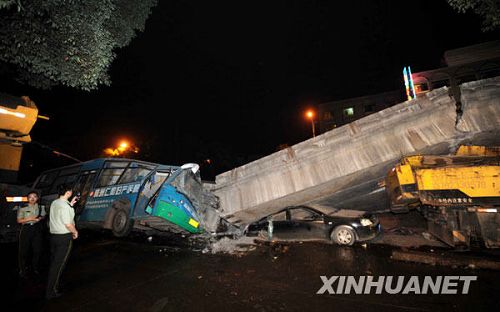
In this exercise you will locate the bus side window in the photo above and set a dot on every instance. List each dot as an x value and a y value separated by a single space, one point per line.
66 176
45 181
69 179
84 186
134 175
109 176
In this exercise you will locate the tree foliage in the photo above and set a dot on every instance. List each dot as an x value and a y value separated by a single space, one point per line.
8 3
69 42
488 10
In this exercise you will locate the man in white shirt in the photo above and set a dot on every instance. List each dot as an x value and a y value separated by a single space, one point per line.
62 233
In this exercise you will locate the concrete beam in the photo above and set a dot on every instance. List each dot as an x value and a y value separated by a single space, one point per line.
347 162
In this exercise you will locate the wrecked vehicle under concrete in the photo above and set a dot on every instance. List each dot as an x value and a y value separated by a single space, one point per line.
316 223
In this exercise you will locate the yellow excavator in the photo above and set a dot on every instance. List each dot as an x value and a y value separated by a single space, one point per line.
17 117
459 195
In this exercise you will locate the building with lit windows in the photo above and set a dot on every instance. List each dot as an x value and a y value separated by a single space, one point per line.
465 64
337 113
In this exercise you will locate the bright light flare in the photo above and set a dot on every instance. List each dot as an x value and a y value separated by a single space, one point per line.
122 148
111 152
409 85
310 116
8 112
16 199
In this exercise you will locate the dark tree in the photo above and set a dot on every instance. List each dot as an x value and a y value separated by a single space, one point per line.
68 42
488 10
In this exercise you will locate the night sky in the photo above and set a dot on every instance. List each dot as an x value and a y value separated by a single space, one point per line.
229 81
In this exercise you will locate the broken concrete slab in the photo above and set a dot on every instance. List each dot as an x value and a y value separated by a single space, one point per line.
341 168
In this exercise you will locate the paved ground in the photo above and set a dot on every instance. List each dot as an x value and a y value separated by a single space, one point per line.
407 230
107 274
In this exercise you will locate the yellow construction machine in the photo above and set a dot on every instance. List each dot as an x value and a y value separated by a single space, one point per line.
459 195
17 117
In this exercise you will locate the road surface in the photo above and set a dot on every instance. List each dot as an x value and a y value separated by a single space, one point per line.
108 274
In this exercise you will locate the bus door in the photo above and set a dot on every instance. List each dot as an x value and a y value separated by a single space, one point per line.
149 189
84 187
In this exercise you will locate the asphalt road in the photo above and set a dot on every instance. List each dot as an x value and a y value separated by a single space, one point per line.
107 274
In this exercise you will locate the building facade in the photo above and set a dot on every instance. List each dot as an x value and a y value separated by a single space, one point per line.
465 64
337 113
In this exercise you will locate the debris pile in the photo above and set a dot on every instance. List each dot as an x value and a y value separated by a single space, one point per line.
231 246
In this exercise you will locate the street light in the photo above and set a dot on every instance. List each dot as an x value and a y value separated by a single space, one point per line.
123 147
310 115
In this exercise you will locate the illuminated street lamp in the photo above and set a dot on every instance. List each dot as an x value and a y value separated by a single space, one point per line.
310 115
124 147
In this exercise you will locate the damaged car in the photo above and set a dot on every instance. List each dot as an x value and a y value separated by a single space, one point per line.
305 223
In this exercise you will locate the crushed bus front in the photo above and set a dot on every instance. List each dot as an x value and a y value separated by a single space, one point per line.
180 201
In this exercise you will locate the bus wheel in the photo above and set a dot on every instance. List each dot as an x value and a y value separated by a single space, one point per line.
122 224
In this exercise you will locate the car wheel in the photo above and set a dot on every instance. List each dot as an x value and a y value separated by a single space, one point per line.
343 235
122 224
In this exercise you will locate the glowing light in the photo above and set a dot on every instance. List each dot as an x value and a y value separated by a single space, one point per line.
8 112
409 86
412 86
310 115
122 148
487 210
16 199
111 152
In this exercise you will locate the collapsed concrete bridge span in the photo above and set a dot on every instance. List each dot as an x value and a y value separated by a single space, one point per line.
341 168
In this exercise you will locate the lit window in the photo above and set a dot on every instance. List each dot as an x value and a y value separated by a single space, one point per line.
421 87
348 111
327 116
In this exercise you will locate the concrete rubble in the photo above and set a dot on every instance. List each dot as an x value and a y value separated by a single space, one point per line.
231 246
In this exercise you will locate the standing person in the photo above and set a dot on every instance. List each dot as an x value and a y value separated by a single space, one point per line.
62 233
30 235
